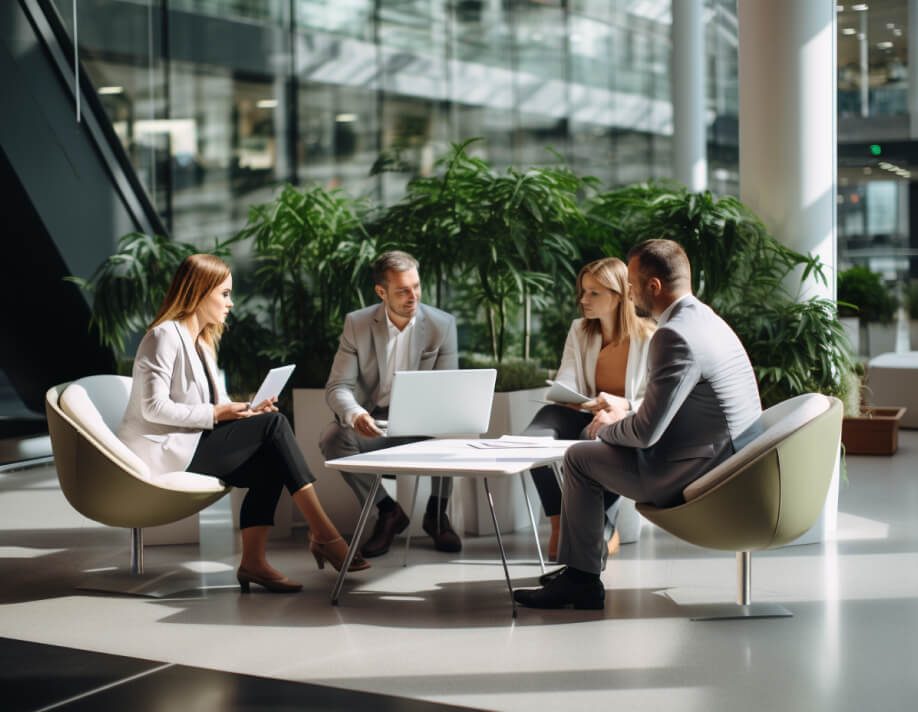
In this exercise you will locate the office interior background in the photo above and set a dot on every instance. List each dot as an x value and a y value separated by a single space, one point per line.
216 104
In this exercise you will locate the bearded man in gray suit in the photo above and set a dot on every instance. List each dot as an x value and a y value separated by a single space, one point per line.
399 334
701 406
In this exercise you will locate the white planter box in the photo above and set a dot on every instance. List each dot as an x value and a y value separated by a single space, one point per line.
311 416
882 338
852 327
510 415
826 526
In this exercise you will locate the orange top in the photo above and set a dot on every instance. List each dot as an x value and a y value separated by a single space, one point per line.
610 368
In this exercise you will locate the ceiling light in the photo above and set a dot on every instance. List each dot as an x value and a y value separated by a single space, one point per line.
890 25
861 36
111 90
849 31
860 7
839 8
884 45
897 32
266 103
345 118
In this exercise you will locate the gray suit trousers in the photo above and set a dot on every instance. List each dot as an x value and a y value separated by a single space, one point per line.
341 441
590 469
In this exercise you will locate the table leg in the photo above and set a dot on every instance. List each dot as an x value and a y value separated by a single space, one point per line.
535 529
414 499
500 545
355 541
559 478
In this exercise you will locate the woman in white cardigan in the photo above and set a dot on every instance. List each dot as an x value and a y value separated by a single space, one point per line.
605 358
179 418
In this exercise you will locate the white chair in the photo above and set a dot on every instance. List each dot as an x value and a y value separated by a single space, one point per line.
103 479
766 495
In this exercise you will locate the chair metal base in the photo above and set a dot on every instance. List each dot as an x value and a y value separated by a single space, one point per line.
733 611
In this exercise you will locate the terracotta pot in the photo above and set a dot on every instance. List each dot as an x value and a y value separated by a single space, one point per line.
874 432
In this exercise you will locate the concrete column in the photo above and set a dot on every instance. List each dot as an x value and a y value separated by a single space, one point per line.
688 95
787 124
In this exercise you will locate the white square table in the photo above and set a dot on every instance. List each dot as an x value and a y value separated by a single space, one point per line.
448 458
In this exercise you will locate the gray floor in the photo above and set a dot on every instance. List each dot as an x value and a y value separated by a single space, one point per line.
441 629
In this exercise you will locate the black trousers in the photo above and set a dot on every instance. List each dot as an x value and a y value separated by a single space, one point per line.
259 453
561 423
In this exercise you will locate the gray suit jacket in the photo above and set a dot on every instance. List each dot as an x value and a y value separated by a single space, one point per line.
355 373
169 405
700 401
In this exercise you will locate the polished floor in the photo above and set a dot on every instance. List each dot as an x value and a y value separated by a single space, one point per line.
440 630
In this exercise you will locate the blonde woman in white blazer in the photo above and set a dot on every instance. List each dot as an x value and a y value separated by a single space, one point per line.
178 418
605 358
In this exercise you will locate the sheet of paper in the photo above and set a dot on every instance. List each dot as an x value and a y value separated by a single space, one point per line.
560 393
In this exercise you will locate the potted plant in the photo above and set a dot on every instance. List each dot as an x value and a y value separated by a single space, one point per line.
863 296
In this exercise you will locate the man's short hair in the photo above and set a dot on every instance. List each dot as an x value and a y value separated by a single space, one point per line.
394 260
665 260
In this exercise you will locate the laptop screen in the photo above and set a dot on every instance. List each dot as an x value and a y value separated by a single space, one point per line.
441 402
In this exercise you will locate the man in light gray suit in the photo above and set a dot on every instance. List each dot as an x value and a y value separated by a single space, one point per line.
399 334
700 407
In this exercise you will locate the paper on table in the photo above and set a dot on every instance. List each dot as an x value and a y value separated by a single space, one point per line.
506 442
560 393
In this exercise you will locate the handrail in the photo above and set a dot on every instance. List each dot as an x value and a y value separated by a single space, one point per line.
49 27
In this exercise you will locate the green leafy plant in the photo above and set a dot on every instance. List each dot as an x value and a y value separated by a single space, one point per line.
513 374
745 275
861 293
128 288
312 257
508 238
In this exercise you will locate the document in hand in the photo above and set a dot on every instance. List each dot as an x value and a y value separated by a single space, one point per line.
559 393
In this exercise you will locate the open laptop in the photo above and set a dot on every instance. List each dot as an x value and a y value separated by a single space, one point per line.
441 402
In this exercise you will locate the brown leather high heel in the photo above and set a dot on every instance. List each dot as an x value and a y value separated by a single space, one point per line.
555 520
323 552
283 585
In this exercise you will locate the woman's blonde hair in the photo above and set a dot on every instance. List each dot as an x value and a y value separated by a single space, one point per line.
196 277
612 274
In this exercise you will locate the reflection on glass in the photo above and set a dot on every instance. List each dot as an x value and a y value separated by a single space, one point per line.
218 103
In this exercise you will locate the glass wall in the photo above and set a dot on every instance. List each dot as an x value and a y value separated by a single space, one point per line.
218 102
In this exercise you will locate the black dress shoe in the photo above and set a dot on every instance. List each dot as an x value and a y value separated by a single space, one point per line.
442 533
552 575
549 576
388 524
563 592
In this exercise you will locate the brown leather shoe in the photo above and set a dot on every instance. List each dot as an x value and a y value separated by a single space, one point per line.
388 524
442 533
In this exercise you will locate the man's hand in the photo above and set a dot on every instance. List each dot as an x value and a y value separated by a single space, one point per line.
365 425
613 414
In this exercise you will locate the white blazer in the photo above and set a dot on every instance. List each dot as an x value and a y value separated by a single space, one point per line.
169 405
578 364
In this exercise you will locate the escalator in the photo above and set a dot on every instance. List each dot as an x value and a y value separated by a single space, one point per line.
69 191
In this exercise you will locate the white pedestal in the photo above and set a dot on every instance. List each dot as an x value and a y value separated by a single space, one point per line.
510 415
311 415
826 526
